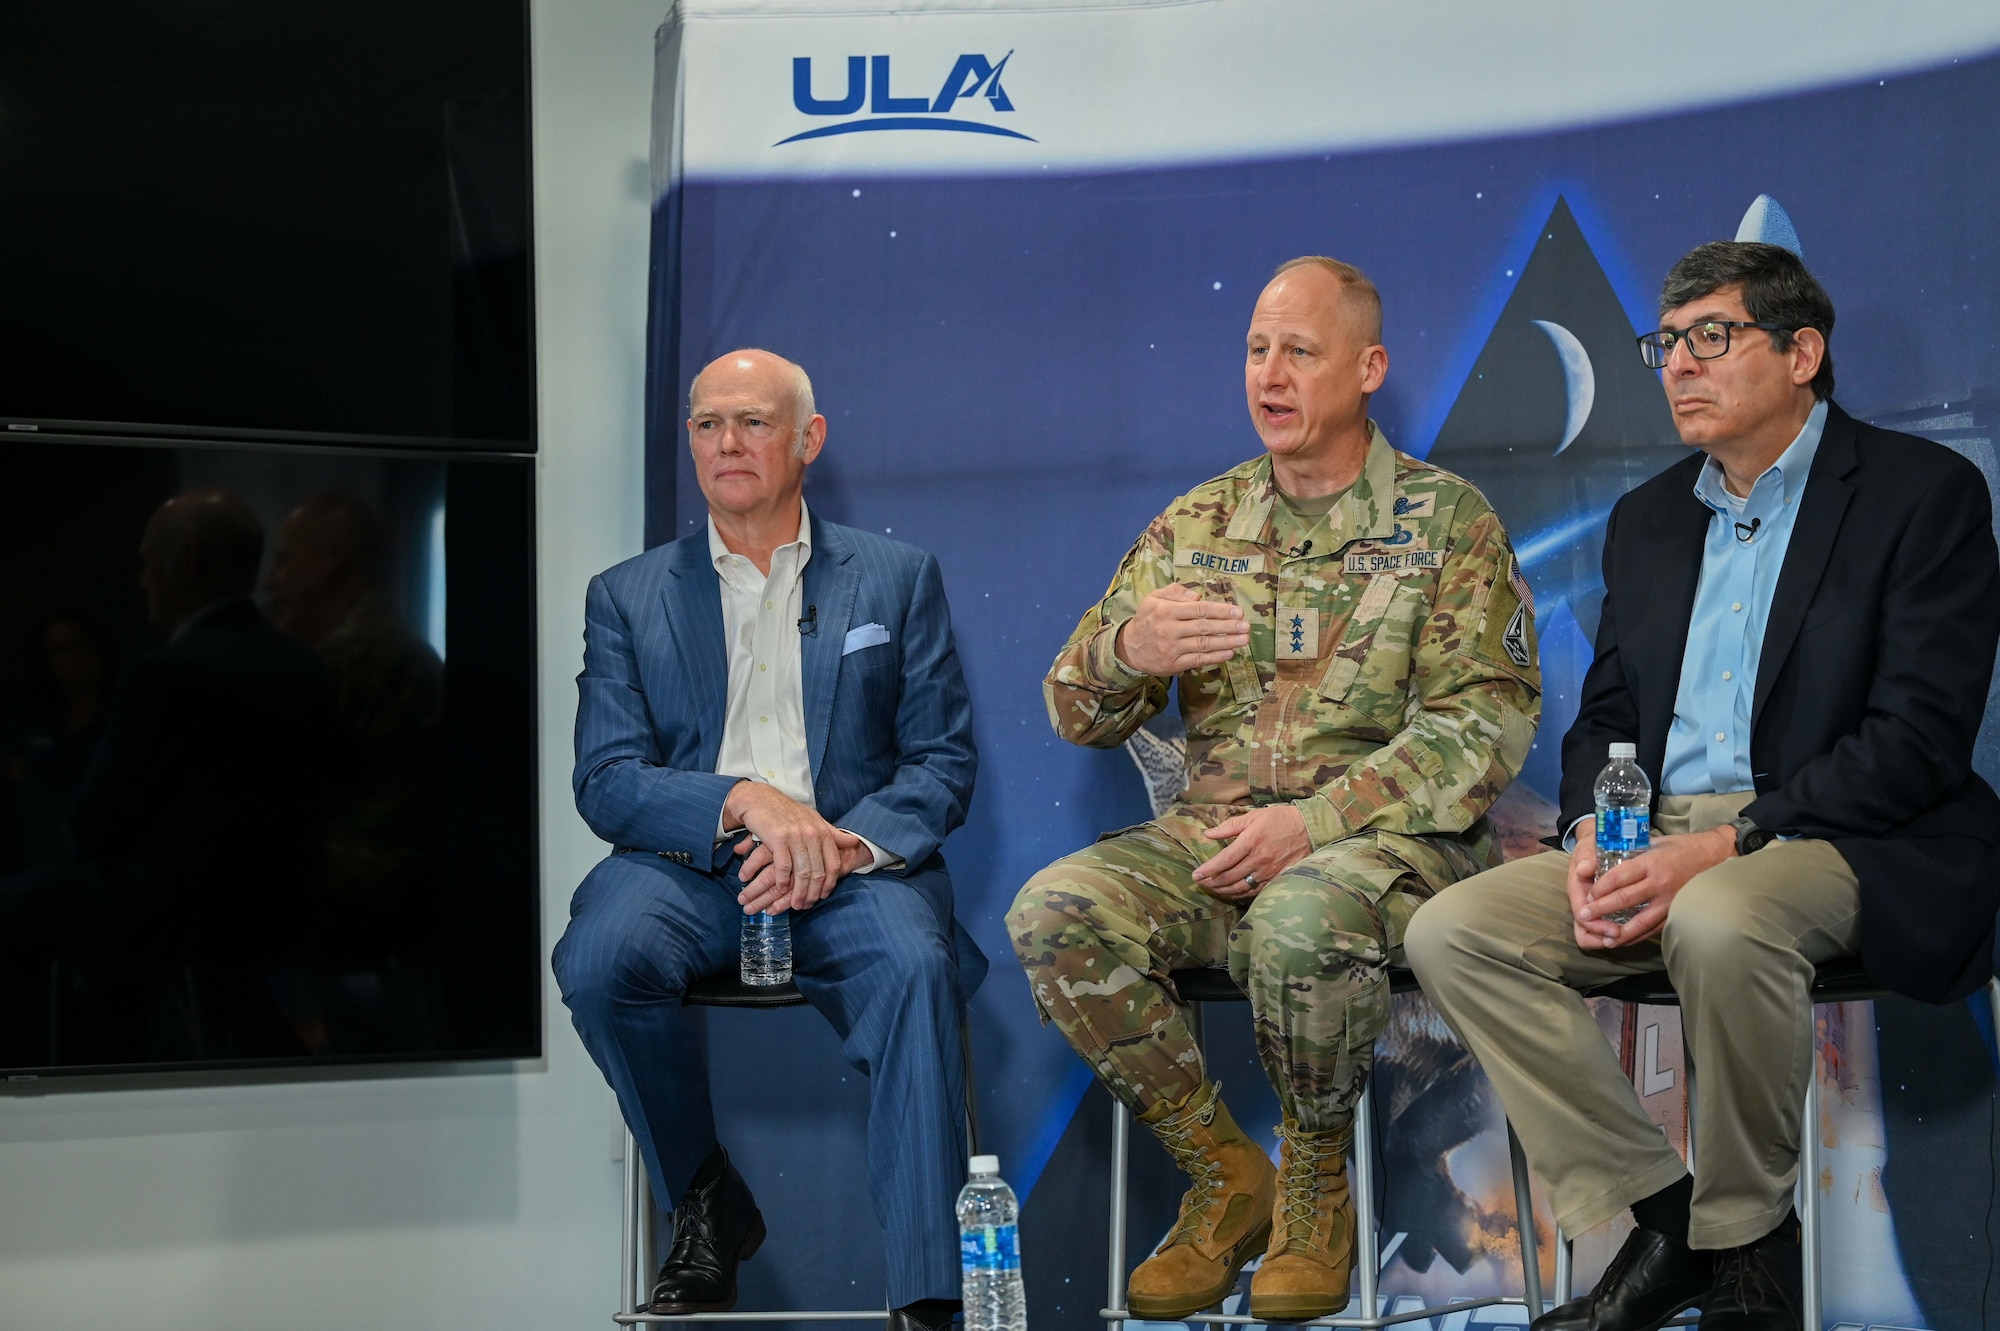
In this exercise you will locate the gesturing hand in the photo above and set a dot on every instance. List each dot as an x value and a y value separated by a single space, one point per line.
1263 844
794 856
1174 630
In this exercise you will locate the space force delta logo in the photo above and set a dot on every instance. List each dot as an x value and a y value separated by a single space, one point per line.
972 80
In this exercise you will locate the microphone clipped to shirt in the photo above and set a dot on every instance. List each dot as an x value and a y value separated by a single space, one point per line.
1745 530
809 622
1300 551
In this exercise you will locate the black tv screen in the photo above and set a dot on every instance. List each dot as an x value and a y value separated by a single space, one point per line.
267 757
249 218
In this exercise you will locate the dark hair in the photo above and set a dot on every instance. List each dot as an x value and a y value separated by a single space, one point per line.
1777 289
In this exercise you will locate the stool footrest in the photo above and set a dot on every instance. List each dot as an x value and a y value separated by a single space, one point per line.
663 1319
1362 1323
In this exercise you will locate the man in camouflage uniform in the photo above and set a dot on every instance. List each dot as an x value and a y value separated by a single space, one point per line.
1357 672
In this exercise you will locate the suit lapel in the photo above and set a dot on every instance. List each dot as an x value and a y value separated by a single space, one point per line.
1820 513
692 596
830 587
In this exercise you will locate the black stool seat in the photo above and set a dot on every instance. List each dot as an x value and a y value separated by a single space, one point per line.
726 989
1211 984
1842 980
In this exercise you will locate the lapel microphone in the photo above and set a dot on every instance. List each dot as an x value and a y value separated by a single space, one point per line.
1301 551
1745 530
810 623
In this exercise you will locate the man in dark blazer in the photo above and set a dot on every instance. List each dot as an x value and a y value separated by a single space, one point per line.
772 717
1798 633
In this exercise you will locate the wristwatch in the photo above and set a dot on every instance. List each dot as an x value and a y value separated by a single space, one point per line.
1750 837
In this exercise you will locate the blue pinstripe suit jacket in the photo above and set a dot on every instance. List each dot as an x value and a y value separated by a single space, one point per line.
888 727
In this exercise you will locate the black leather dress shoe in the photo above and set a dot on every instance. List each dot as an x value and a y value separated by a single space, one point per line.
1652 1278
924 1315
716 1226
1759 1287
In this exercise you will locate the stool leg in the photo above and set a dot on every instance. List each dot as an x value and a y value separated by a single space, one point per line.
1687 1073
1367 1238
1524 1211
1993 1001
1121 1131
1565 1274
1809 1199
630 1263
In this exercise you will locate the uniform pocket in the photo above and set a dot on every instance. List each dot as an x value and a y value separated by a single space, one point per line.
1370 669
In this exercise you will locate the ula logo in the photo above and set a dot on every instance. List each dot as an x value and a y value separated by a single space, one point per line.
868 82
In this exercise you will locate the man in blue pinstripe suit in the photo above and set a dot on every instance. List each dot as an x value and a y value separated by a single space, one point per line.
772 717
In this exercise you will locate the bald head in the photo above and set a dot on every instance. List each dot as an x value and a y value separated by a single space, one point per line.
753 367
199 548
753 432
1314 356
330 554
1344 286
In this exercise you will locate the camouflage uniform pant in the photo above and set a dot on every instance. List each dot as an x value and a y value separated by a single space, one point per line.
1097 932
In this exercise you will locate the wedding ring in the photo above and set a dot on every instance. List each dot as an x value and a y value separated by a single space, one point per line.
1249 880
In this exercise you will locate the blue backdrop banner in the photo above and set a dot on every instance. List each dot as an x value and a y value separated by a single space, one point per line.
1016 246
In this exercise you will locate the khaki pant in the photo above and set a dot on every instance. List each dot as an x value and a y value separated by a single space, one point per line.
1497 957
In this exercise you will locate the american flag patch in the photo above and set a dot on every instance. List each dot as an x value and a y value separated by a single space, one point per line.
1520 586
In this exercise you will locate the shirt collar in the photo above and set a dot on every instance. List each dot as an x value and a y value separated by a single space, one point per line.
1791 468
1359 513
719 554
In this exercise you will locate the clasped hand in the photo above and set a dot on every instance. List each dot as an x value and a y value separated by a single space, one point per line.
1648 882
793 857
1263 844
1175 631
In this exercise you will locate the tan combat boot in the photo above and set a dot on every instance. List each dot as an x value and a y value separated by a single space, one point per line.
1305 1269
1225 1217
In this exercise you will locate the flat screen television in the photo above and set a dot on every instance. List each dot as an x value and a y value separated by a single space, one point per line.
260 220
267 756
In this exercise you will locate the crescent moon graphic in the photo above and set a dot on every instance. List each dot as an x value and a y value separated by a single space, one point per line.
1577 375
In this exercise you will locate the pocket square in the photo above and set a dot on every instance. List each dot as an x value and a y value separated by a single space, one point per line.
868 635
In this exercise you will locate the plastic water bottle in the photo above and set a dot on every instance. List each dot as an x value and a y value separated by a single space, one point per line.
767 949
1624 815
989 1251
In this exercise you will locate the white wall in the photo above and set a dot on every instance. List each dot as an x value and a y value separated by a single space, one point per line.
487 1198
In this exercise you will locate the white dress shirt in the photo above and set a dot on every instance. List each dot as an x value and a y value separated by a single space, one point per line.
764 725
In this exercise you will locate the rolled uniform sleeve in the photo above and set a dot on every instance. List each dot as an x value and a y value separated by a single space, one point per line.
1474 697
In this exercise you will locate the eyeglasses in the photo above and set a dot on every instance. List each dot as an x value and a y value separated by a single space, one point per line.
1704 341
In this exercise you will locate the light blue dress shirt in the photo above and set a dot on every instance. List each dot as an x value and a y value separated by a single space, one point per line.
1708 749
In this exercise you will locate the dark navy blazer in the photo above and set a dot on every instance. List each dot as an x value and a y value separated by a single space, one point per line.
1877 656
888 726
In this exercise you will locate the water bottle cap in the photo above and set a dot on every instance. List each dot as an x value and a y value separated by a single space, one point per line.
985 1164
1624 751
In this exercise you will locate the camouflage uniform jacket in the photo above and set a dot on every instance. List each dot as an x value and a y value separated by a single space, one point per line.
1391 679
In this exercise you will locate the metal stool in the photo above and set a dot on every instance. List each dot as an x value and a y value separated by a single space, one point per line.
1844 980
1213 985
726 989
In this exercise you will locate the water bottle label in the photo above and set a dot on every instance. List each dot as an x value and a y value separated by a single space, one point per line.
989 1248
1623 831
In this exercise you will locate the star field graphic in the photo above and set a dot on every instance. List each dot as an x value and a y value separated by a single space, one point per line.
1021 372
